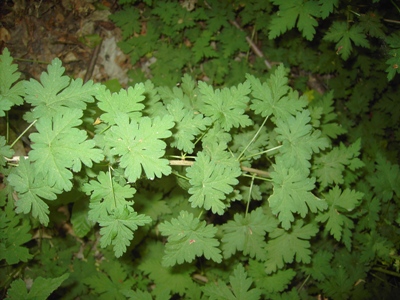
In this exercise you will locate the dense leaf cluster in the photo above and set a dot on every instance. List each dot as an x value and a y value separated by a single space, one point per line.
238 182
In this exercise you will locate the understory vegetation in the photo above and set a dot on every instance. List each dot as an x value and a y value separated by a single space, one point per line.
254 155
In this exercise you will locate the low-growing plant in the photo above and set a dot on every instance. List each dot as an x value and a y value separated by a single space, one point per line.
237 183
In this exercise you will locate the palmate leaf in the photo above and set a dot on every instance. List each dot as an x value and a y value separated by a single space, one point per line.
299 140
292 194
41 288
14 234
226 106
337 223
32 189
110 282
58 147
118 227
394 53
385 180
211 182
189 238
328 117
188 125
274 96
55 92
140 146
329 167
240 287
247 234
344 36
106 195
284 246
167 280
320 267
290 12
270 283
10 92
202 47
126 101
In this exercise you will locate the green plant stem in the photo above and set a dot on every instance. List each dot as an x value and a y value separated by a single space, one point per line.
22 134
262 152
253 139
180 175
7 128
112 186
395 5
249 198
303 283
392 273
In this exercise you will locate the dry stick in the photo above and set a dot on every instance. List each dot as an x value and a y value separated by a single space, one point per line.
253 46
92 63
188 163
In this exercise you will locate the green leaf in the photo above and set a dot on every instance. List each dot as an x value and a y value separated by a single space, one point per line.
14 234
274 96
126 101
270 283
240 287
336 222
247 234
292 194
106 195
304 12
329 167
31 190
80 220
385 180
320 267
10 92
202 47
328 118
394 52
299 140
188 125
110 283
56 93
41 288
5 151
327 7
58 147
189 238
118 228
128 20
226 106
211 182
167 280
284 246
344 35
140 146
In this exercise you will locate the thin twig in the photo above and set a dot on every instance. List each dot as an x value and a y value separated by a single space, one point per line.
92 63
253 46
189 163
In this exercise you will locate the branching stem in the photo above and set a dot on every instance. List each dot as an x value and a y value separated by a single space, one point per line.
253 139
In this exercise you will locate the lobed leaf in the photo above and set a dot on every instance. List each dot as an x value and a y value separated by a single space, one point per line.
58 147
11 91
189 238
211 182
32 189
118 228
140 146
